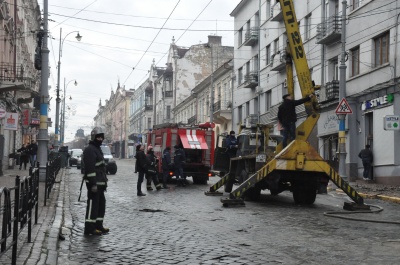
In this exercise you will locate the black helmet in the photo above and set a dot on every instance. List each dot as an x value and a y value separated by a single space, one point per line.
96 132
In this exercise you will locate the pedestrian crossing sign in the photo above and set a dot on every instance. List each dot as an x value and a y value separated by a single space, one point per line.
343 107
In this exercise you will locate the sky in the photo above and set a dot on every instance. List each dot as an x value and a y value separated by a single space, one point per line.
120 39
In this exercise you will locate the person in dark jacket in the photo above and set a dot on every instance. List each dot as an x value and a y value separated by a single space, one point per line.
32 150
231 144
179 161
141 167
366 158
152 171
24 158
96 184
166 165
287 116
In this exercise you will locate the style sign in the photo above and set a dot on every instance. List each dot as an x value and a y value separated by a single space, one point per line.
391 123
11 121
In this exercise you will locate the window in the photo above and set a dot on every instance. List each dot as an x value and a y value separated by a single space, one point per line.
382 49
267 100
255 105
240 76
276 46
307 27
148 123
240 114
240 36
255 63
168 112
355 4
268 9
355 61
248 68
247 108
268 55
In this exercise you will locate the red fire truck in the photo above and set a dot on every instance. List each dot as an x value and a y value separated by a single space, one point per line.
197 142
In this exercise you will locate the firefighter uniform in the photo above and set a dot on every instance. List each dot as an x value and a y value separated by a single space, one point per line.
152 172
96 183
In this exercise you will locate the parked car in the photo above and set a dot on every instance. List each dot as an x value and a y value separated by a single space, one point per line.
111 164
74 154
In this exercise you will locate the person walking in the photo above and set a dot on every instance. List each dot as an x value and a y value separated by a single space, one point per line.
287 116
366 158
166 165
179 161
231 144
152 170
32 150
24 158
141 167
96 184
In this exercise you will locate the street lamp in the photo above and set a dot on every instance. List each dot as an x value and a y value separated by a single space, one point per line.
63 113
58 100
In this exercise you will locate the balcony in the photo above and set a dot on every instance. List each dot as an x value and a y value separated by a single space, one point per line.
276 13
222 111
279 61
148 107
329 31
168 94
251 37
332 90
251 80
12 79
192 120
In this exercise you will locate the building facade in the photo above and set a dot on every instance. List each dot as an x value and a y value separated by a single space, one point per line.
370 71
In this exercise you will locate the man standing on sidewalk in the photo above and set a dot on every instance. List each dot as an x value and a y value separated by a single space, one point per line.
366 158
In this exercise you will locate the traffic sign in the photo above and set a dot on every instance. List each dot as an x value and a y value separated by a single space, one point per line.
391 122
343 107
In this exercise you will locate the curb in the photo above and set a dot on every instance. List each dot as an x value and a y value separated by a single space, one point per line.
375 196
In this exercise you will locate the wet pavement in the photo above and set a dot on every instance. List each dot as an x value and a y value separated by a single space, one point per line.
181 225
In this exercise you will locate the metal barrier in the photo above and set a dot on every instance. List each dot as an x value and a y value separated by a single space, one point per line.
53 166
26 197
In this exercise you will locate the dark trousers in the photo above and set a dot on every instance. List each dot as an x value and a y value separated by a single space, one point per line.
154 178
139 182
179 173
165 176
24 161
289 133
367 170
95 210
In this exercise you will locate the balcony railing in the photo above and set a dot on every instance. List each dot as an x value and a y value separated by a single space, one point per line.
217 106
192 120
330 30
14 78
279 61
148 107
251 80
276 13
332 90
251 37
168 94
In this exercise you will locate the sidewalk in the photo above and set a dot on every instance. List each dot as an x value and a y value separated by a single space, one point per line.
45 234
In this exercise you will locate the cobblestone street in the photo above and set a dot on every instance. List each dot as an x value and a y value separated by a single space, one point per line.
183 226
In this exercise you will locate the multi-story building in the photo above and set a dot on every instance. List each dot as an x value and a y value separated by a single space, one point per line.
369 67
157 98
19 80
113 118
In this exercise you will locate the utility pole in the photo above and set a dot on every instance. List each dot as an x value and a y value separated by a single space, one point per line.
212 86
58 100
342 94
44 99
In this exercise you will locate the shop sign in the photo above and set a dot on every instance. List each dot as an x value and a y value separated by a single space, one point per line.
391 122
11 121
25 118
35 117
2 113
376 102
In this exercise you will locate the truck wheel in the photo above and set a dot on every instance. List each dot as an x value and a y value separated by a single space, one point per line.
253 194
304 196
112 172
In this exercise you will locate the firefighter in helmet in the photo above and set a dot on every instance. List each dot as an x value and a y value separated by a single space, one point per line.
96 183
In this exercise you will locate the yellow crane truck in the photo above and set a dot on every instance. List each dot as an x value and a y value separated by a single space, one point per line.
298 167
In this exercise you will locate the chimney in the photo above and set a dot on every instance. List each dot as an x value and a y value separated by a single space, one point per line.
214 40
